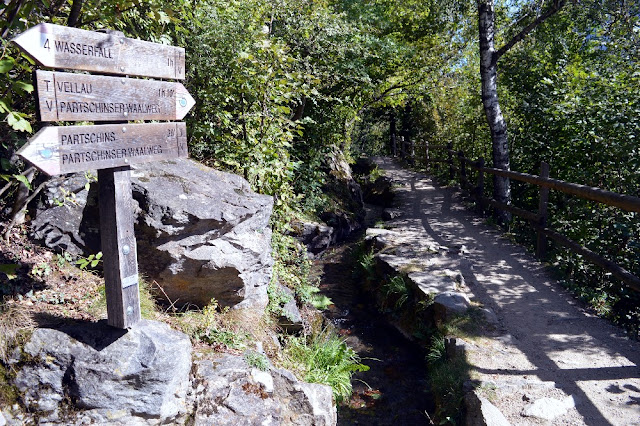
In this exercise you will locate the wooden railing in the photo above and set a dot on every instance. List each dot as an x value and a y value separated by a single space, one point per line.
457 162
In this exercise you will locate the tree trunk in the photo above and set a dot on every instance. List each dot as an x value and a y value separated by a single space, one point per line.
392 133
497 125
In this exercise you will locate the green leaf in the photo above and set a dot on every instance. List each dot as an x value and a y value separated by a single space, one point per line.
9 270
6 65
82 263
23 179
22 86
18 123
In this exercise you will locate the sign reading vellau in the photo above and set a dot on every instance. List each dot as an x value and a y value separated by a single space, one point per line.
80 97
55 46
109 148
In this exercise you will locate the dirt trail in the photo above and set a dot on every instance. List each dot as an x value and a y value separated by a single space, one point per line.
547 345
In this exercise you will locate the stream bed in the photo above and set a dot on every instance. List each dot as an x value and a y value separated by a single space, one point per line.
395 391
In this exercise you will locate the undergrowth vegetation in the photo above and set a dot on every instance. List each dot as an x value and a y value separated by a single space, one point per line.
449 369
324 358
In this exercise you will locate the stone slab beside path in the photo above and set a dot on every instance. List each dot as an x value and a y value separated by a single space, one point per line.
548 361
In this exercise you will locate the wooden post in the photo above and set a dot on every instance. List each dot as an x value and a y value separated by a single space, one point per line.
412 151
392 132
541 243
452 172
402 150
394 146
119 246
463 171
427 166
480 185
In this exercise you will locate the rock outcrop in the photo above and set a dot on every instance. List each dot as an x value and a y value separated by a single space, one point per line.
230 392
114 376
96 374
341 216
202 233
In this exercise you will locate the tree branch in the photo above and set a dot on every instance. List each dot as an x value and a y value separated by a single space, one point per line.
13 13
74 14
4 188
557 5
15 217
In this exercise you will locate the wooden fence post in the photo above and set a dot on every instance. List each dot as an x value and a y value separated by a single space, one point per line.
119 246
463 171
427 166
412 151
452 171
394 145
479 192
541 243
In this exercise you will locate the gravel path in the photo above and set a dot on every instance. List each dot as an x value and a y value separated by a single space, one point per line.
546 344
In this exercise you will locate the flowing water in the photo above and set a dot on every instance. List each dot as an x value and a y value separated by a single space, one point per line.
395 391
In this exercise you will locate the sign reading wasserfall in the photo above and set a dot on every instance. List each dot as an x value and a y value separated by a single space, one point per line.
81 97
56 46
65 149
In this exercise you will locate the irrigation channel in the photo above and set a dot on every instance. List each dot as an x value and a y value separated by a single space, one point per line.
395 390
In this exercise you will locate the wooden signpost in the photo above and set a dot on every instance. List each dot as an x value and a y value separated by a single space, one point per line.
109 148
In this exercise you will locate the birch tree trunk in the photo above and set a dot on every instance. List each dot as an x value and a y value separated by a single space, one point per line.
497 125
489 57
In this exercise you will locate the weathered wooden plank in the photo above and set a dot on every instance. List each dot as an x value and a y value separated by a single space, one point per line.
68 149
56 46
119 247
625 202
81 97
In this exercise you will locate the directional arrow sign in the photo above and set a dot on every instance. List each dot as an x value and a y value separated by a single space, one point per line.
56 46
81 97
67 149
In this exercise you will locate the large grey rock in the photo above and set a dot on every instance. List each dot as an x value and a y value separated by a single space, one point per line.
549 408
450 303
210 230
346 212
481 412
140 375
67 218
229 392
202 233
317 237
289 316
